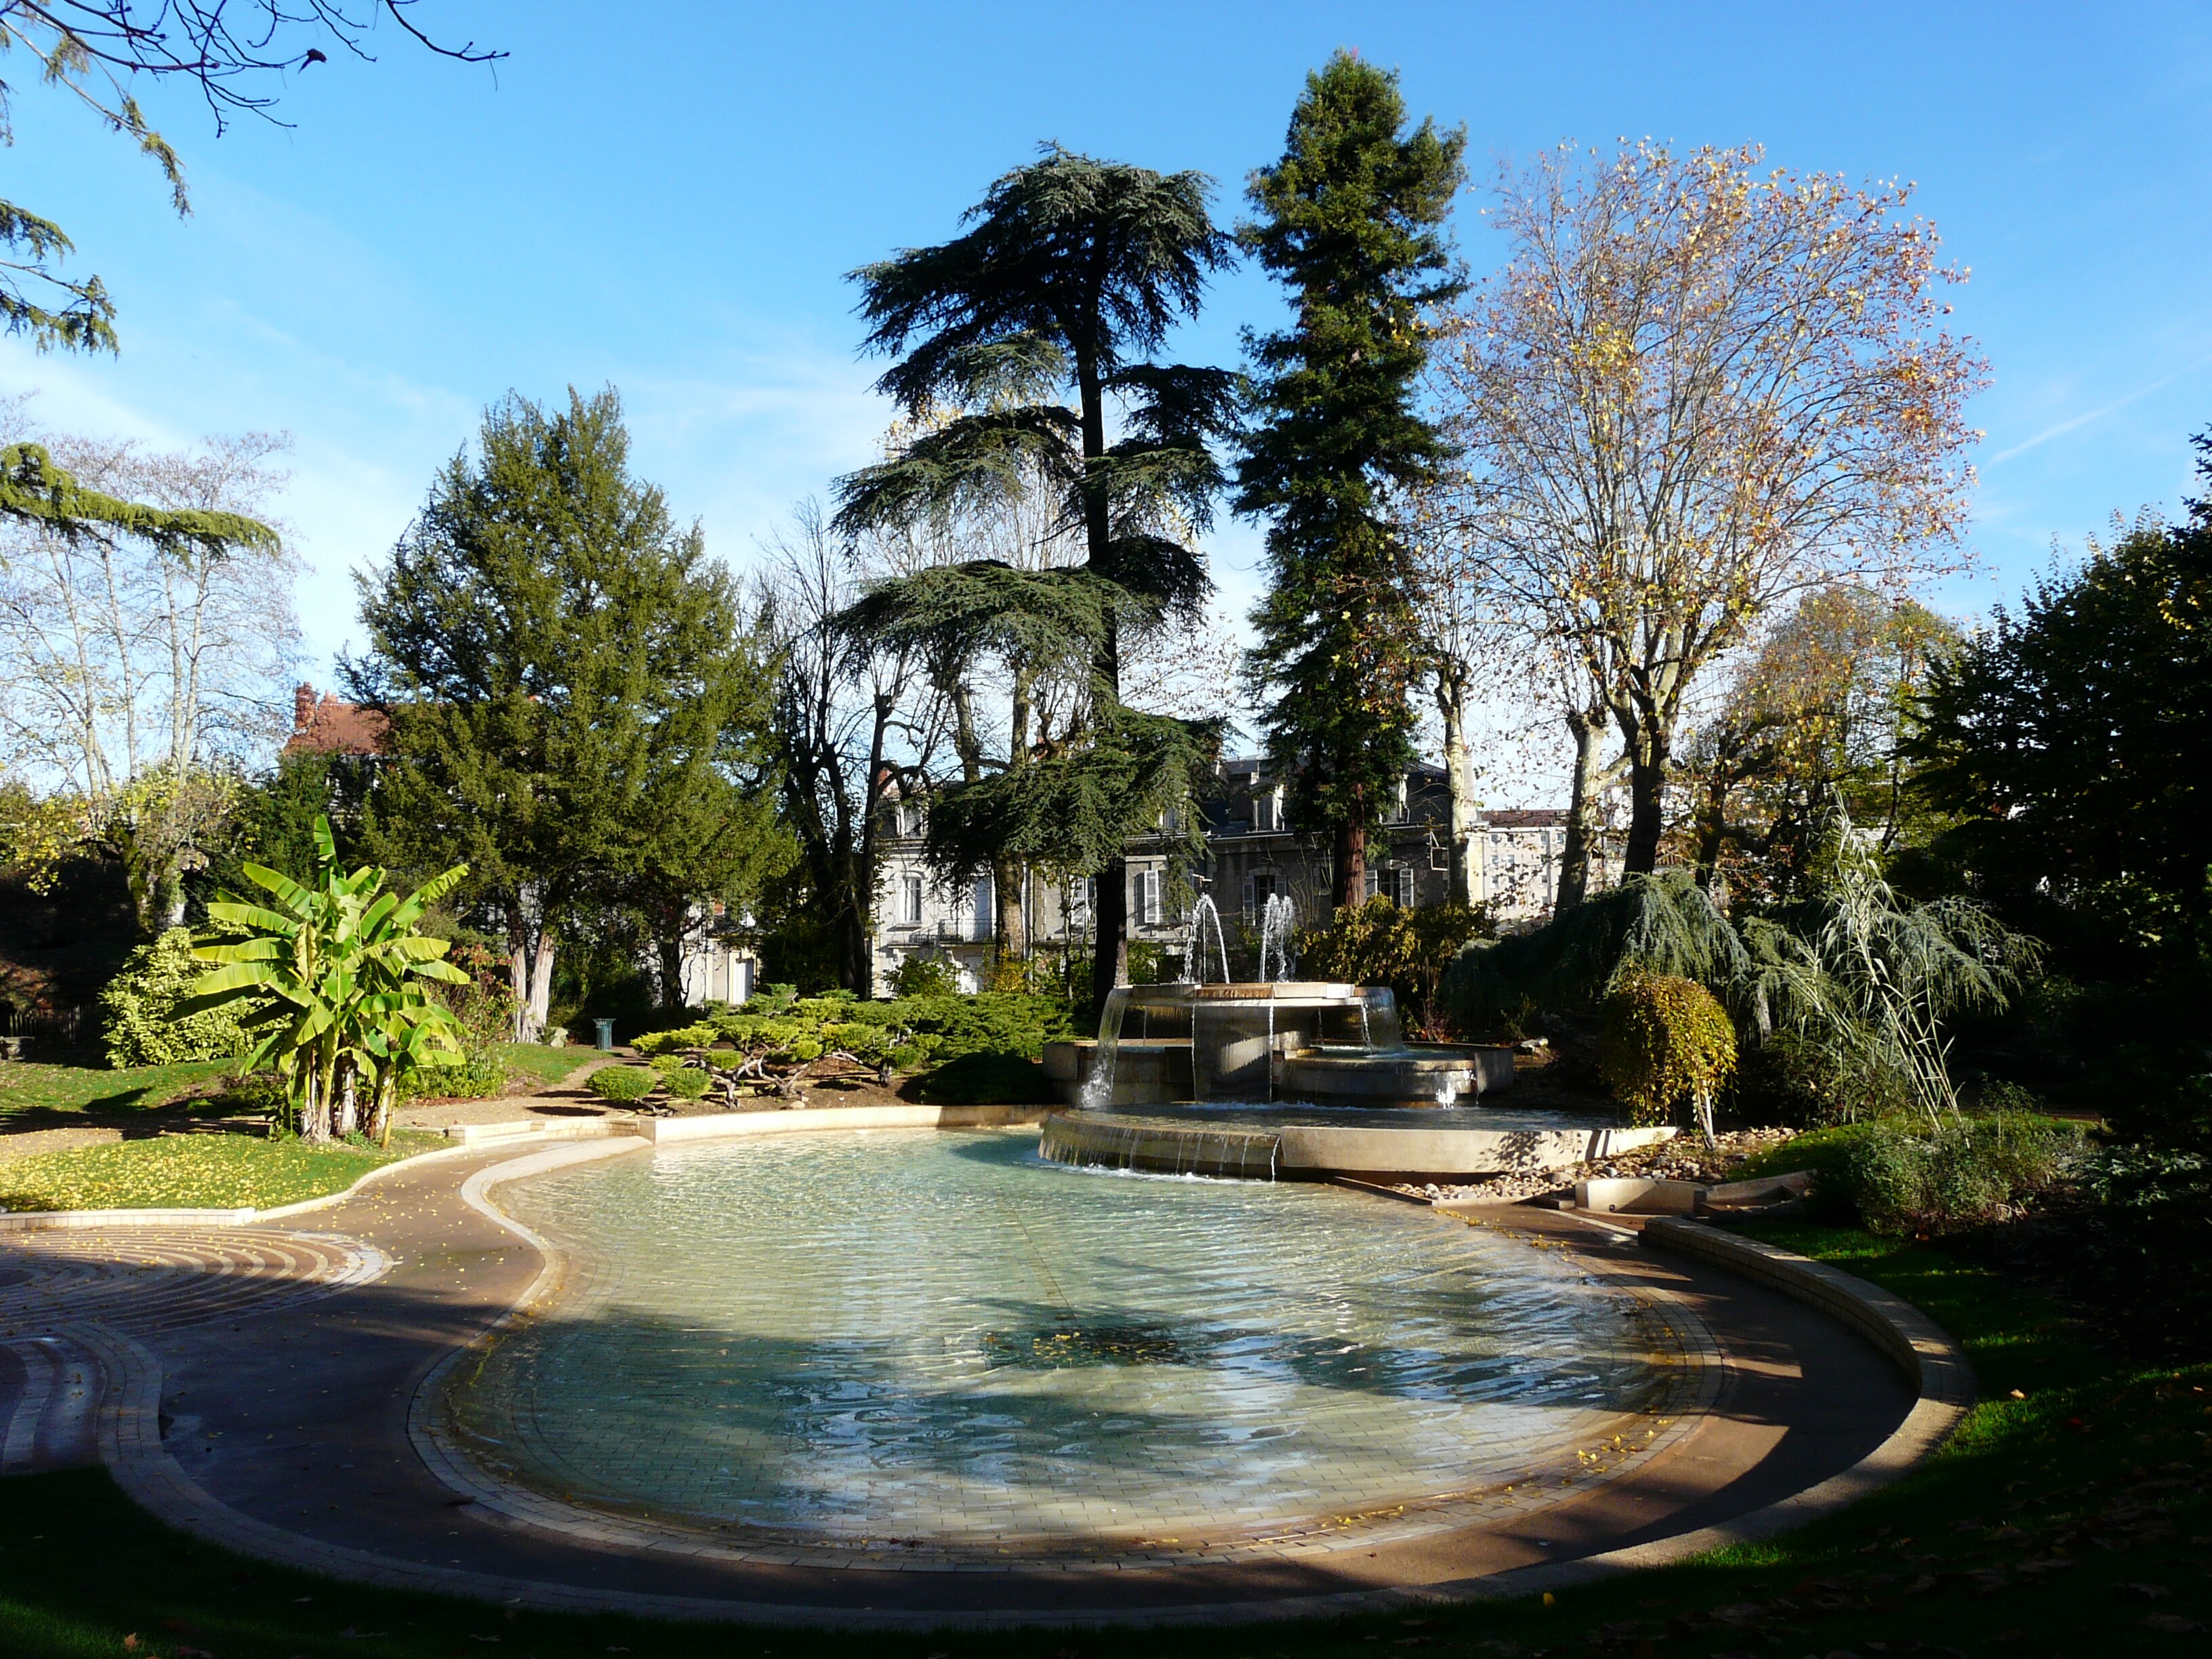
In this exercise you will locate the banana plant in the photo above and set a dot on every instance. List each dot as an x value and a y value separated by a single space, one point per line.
344 979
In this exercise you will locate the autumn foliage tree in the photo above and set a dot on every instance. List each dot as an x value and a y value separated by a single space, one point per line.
1819 711
1696 389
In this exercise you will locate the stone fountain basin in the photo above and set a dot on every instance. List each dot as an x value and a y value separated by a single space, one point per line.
1301 1142
1416 1075
1157 1070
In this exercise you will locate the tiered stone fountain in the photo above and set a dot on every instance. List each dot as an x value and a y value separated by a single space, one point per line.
1270 1078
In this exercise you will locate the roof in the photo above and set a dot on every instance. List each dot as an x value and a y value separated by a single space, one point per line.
329 726
1526 817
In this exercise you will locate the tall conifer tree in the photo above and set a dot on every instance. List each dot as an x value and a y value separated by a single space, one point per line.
566 680
1352 221
1046 313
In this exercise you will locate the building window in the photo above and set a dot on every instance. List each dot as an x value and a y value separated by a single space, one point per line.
910 907
1148 897
1259 888
1266 811
983 908
1404 873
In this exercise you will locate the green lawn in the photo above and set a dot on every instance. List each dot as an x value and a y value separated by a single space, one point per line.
204 1171
539 1066
30 1089
2072 1520
33 1094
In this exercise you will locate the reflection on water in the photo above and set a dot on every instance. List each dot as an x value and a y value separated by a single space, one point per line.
914 1334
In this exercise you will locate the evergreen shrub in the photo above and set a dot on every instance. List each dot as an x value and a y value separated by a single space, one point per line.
1898 1175
1665 1040
479 1077
141 1004
623 1083
907 1034
1378 943
924 976
986 1080
1793 1080
1903 1177
686 1082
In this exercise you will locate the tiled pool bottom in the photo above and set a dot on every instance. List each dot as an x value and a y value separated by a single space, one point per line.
912 1336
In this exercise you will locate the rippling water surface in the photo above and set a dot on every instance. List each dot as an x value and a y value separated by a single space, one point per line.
909 1333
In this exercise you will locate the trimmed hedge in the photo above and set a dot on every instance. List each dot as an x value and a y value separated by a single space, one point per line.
479 1077
623 1083
986 1080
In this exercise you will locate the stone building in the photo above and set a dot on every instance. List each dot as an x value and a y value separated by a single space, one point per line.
1251 855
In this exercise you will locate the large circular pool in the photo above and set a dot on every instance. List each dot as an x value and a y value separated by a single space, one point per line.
914 1335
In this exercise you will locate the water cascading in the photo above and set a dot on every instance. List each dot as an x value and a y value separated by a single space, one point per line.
1276 922
1195 965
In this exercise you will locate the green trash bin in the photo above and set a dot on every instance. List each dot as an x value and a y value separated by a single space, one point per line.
606 1035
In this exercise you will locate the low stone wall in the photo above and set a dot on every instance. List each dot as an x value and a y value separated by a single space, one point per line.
732 1125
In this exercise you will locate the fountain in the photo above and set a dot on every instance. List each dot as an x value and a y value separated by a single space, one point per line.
1195 964
1260 1041
1275 1076
1276 922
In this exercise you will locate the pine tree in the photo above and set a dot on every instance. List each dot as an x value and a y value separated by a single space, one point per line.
1052 305
560 664
1351 219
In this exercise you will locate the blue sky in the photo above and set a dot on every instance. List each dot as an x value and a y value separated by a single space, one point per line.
665 196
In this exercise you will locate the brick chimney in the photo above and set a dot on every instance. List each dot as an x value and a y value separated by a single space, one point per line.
303 708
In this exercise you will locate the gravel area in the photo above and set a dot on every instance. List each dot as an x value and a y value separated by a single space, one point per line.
1683 1158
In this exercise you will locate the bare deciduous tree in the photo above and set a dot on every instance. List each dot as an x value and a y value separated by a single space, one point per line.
845 729
138 672
1694 391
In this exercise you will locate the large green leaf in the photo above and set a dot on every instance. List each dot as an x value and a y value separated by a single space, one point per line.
235 913
301 901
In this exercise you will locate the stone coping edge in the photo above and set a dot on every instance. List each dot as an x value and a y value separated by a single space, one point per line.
1933 1363
130 1443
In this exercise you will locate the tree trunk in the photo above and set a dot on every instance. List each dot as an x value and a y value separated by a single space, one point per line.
1647 802
1712 822
518 979
1459 778
1583 796
541 983
1009 929
1109 935
348 1115
670 948
380 1121
315 1107
856 968
1352 864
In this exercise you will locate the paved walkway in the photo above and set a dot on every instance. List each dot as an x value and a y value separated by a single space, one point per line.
263 1378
